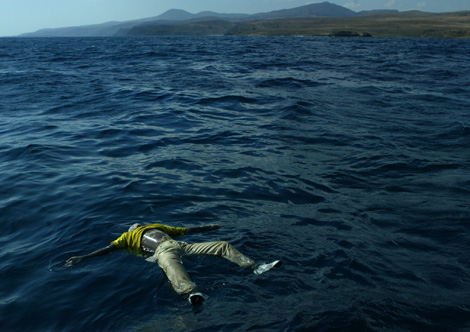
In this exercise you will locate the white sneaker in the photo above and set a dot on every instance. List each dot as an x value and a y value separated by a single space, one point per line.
196 298
266 267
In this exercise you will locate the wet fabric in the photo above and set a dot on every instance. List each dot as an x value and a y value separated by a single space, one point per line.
132 240
169 253
151 239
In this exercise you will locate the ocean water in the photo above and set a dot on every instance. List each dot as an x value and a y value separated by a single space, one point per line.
348 159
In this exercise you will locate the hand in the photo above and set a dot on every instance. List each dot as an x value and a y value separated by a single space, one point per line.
205 228
73 260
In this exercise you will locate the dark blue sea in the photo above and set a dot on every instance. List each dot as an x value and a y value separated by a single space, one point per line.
348 159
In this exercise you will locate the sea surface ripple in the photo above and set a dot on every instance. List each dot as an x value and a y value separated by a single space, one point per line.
348 159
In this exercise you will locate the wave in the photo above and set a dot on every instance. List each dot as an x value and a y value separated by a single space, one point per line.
347 159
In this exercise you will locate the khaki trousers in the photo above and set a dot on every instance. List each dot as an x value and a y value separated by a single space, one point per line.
169 253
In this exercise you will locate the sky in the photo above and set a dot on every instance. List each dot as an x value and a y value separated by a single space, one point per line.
21 16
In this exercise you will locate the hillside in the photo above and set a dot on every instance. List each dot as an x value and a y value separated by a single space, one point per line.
407 24
324 9
322 19
205 28
177 16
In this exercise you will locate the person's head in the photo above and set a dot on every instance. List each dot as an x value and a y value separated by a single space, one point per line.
134 227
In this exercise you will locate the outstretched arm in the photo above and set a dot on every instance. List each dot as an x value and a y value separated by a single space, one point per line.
198 229
77 259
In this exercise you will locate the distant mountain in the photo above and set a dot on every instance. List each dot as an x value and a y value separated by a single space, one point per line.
377 11
105 29
186 20
177 16
412 24
324 9
201 28
321 19
182 15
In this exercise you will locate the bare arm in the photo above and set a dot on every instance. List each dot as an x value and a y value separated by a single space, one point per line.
77 259
198 229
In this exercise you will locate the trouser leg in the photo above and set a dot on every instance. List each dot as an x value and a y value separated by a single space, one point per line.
218 248
169 255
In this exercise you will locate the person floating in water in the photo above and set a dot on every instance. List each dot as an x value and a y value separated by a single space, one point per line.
156 241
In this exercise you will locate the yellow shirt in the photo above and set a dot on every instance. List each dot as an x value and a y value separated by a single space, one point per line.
131 240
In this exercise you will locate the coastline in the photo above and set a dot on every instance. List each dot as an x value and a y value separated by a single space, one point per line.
405 25
408 25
